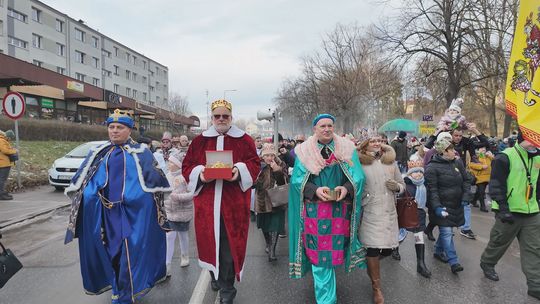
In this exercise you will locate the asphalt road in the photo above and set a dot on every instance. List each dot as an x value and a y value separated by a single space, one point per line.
51 273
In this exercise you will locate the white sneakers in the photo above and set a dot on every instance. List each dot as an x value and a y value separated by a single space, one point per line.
184 261
168 269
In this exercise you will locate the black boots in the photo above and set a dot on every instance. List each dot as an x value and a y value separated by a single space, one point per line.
268 241
420 264
273 243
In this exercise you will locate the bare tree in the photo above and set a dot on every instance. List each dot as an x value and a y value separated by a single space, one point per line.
178 104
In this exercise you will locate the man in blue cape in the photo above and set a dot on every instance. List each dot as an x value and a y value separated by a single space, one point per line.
323 229
117 214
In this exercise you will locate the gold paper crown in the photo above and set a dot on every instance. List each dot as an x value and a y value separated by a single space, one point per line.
415 164
120 113
221 103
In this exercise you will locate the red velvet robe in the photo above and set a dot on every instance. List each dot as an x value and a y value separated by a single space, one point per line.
230 200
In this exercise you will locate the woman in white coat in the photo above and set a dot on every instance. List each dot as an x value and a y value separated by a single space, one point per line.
379 226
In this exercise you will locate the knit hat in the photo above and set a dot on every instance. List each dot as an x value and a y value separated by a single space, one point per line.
175 159
402 134
268 149
442 144
456 105
166 136
415 166
10 134
444 135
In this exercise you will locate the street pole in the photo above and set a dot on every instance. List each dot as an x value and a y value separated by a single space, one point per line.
18 162
276 133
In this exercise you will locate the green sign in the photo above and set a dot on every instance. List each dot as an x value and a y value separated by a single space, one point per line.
47 103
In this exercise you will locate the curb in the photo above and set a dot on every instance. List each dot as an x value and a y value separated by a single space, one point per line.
30 216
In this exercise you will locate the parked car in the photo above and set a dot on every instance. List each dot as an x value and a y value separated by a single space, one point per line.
64 168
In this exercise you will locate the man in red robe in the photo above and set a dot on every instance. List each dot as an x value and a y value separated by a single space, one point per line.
222 205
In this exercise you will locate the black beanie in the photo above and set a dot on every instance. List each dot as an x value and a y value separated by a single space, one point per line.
402 134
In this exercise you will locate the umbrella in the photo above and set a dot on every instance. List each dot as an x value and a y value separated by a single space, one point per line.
396 125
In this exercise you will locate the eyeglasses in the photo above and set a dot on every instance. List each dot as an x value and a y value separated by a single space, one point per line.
224 116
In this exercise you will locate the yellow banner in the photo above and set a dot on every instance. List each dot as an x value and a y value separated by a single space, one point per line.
427 129
522 82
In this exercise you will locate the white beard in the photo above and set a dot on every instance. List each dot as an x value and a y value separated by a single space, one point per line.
222 129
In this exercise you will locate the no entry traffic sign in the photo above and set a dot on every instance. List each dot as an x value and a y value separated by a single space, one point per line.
13 105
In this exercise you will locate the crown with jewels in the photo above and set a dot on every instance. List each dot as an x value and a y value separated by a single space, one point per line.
221 103
121 116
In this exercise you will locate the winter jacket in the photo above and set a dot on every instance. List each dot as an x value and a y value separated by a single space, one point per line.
476 168
179 203
379 225
448 185
5 150
267 179
401 150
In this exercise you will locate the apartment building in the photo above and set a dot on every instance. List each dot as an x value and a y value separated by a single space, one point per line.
36 33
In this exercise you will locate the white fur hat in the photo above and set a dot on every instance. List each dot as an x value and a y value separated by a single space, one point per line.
456 104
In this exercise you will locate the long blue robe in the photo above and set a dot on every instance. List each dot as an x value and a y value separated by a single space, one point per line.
122 247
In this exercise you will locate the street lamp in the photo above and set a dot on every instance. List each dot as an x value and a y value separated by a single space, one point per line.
225 92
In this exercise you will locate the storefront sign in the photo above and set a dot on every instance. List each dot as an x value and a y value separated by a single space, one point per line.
112 97
47 103
75 86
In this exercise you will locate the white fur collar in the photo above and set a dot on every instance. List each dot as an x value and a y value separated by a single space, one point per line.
234 131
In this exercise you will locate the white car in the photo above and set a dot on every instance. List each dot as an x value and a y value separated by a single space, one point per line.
64 168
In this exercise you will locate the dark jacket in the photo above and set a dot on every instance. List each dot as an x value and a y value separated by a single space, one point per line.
400 146
466 144
447 186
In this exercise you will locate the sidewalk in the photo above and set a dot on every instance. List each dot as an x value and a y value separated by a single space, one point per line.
29 204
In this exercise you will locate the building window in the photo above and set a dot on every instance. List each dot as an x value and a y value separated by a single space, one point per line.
95 42
80 57
165 87
61 70
15 14
116 88
60 49
1 27
17 42
134 94
128 57
144 96
152 89
151 103
80 35
95 81
144 79
80 76
128 74
128 92
134 76
157 71
144 64
151 73
134 60
116 69
116 51
164 73
36 41
106 53
37 63
157 85
157 99
106 73
59 25
36 15
95 62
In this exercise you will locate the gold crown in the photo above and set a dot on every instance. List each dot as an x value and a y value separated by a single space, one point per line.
221 103
120 113
415 164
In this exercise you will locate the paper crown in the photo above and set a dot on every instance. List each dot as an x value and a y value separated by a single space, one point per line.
121 116
221 103
415 164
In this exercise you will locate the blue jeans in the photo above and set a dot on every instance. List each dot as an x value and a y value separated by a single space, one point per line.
467 214
445 244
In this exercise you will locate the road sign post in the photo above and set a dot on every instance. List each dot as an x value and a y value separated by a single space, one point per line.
14 106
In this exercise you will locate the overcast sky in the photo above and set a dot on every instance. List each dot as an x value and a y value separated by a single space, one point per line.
246 45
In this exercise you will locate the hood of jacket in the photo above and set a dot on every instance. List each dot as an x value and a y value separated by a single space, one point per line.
388 156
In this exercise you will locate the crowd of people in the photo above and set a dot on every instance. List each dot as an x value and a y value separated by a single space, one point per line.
341 209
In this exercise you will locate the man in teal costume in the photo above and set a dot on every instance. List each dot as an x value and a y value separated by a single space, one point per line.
324 232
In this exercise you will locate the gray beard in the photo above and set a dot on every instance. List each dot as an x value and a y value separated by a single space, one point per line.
222 129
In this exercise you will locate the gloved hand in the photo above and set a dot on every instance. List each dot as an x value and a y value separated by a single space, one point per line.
505 216
392 185
441 212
